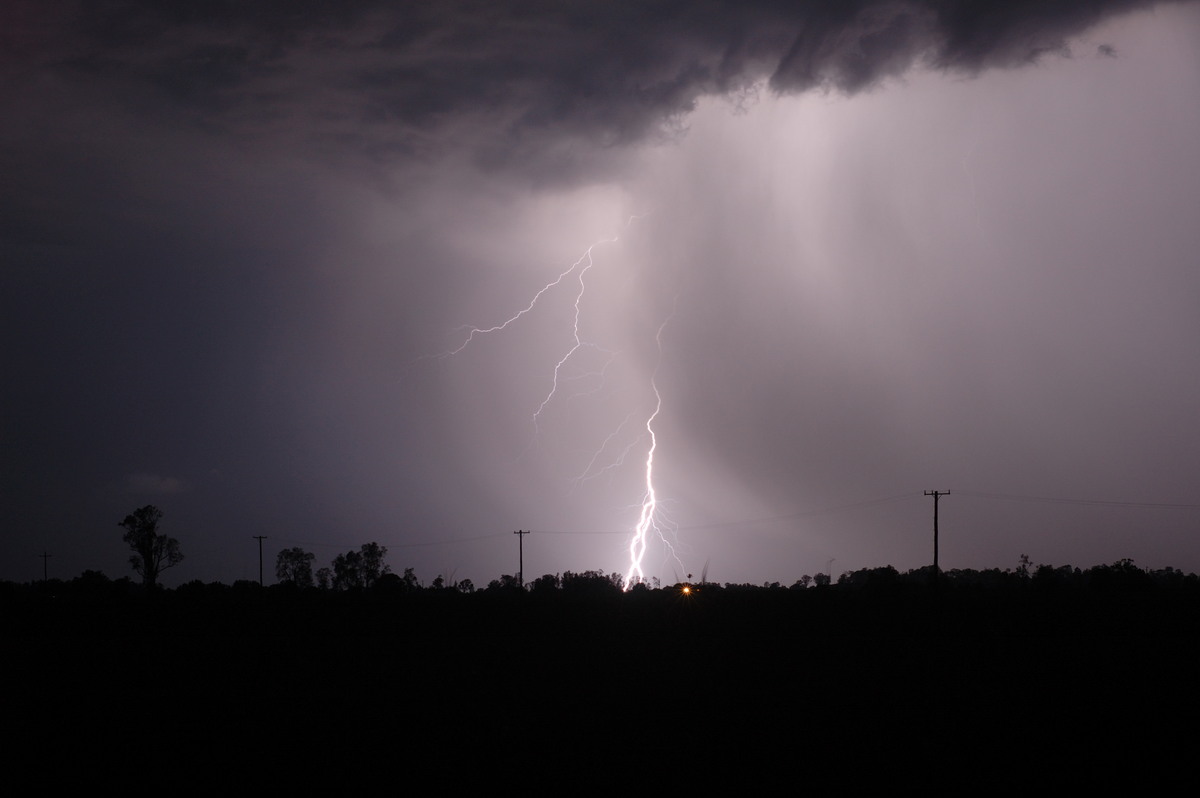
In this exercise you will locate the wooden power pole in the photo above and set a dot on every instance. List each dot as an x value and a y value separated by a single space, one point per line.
936 494
260 539
521 533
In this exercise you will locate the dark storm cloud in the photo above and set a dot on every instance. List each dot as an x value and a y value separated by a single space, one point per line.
231 231
512 80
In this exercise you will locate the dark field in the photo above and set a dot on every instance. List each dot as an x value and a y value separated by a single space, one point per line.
889 682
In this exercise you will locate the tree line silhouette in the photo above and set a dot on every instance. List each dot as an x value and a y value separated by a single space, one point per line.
366 570
1030 674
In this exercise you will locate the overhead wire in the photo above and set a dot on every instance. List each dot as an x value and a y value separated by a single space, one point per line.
759 520
1082 502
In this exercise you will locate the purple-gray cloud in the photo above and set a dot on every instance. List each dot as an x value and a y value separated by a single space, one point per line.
232 232
512 81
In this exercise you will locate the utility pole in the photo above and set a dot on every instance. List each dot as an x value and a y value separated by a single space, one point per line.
44 557
260 539
936 494
521 533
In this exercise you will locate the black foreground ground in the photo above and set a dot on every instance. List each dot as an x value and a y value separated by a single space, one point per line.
939 687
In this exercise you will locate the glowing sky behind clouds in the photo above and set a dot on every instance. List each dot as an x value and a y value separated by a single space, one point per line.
233 241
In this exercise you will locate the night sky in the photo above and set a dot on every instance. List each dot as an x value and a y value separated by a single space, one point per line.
861 249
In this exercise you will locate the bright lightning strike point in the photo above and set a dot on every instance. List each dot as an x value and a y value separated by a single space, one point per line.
637 546
648 519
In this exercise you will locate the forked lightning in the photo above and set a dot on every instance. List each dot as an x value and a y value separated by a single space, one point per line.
649 520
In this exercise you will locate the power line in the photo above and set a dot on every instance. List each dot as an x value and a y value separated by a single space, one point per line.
837 508
758 520
392 545
580 532
755 520
1082 502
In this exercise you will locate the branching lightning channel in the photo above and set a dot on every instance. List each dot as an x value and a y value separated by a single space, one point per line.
586 256
578 342
580 268
650 518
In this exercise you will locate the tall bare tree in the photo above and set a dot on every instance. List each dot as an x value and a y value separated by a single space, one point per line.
152 552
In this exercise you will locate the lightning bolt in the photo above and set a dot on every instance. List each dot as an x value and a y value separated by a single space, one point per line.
650 520
580 267
578 342
479 331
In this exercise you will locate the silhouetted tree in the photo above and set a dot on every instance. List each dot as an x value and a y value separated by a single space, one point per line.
1047 577
505 582
152 552
89 581
294 566
362 568
347 571
374 567
1121 576
878 579
395 583
594 583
